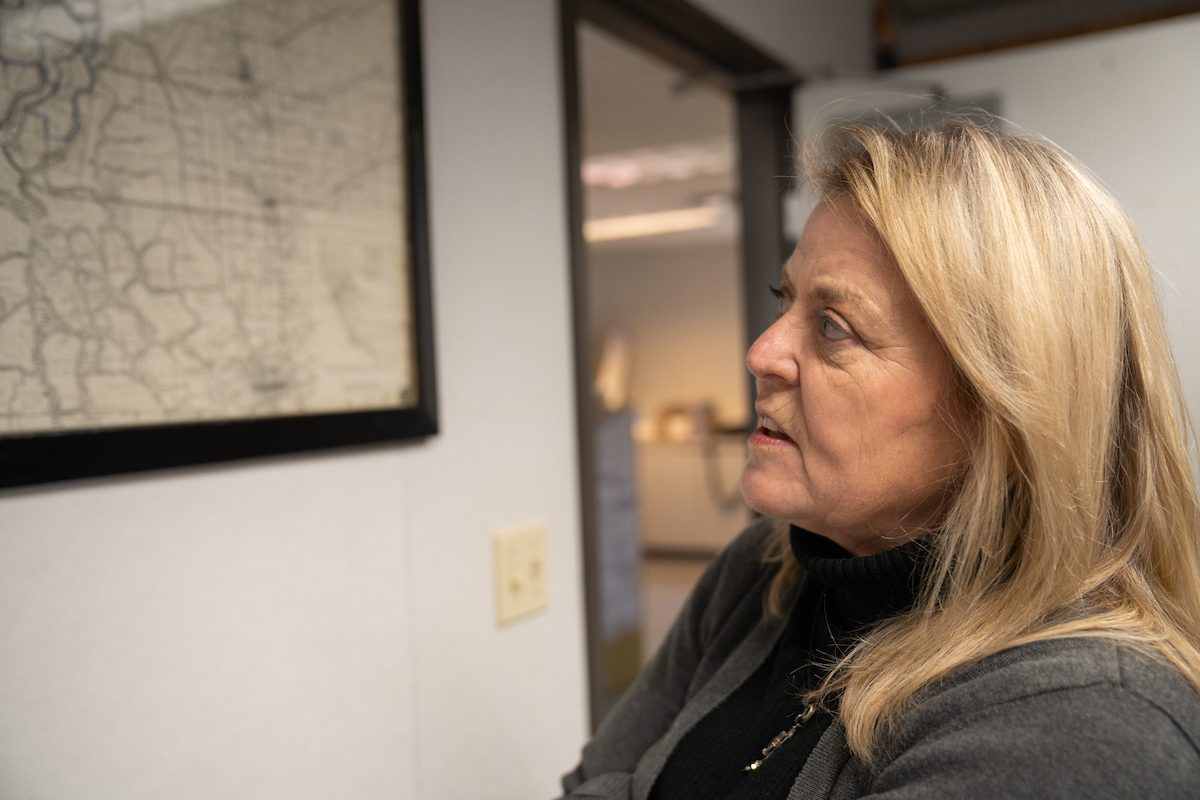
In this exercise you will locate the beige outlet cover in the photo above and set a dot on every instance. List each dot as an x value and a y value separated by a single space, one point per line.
522 583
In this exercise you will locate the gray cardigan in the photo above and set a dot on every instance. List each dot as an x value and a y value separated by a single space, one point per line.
1071 718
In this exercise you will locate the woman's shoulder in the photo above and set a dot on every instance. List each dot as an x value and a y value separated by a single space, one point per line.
1046 718
1067 665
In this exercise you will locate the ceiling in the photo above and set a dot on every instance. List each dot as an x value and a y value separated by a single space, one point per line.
653 140
915 31
630 99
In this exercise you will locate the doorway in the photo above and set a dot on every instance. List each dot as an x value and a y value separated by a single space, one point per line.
678 157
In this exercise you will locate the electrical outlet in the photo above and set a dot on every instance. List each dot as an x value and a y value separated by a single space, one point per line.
522 585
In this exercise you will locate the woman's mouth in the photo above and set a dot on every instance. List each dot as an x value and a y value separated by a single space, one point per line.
771 428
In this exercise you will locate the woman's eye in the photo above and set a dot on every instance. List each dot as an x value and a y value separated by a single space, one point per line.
831 330
782 303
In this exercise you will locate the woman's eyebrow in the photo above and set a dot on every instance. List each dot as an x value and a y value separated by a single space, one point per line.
839 294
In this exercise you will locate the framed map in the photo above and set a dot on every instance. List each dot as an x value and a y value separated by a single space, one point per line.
213 232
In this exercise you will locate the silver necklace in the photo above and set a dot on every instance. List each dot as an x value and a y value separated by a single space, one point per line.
801 718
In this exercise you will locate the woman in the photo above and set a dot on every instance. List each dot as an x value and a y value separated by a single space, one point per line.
982 576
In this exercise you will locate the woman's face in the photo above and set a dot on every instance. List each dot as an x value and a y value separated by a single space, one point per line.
854 440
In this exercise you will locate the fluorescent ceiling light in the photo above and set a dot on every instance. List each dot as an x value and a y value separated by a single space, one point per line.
636 225
677 162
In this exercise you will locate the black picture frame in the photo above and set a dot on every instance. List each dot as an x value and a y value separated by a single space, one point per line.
44 457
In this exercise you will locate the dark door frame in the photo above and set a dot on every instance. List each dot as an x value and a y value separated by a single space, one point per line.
685 36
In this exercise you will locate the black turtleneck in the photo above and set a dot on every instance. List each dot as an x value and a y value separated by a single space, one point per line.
840 597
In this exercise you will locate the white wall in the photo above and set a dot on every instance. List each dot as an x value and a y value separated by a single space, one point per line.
1123 102
322 626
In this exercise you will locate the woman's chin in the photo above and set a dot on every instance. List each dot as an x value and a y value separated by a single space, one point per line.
764 495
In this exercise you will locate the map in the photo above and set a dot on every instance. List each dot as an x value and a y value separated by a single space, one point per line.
202 212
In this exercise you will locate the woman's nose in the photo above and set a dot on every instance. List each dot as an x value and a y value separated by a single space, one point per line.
773 355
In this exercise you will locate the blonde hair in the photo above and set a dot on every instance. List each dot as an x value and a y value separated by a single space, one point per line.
1077 514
